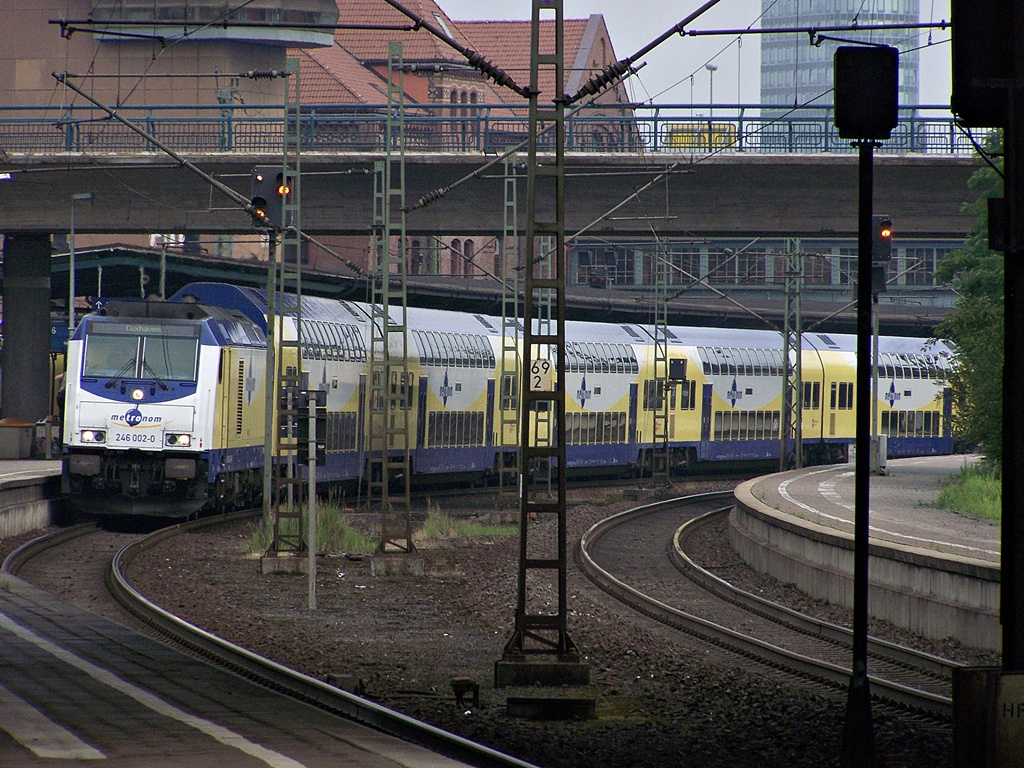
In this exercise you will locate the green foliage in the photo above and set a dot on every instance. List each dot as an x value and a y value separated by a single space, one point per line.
977 491
976 325
438 526
334 532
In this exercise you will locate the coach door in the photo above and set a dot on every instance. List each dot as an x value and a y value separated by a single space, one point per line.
633 392
705 419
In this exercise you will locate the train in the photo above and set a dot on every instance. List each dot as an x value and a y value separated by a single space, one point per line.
166 401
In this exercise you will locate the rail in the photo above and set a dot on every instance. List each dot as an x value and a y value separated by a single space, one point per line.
250 665
902 688
673 129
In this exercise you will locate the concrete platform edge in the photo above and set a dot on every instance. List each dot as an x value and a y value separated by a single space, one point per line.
933 594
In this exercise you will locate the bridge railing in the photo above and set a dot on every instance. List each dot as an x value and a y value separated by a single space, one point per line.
466 128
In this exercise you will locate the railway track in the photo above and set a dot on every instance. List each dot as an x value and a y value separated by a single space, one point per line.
250 665
638 555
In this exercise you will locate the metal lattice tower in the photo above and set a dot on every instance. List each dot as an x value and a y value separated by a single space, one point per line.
390 388
543 314
284 357
539 630
790 453
510 366
660 396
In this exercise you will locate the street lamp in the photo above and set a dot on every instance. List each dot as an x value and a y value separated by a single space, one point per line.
711 68
79 197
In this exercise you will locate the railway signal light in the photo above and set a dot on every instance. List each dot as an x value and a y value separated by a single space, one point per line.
881 238
268 192
866 91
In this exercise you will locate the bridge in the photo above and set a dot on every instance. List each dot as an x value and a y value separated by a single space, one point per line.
661 169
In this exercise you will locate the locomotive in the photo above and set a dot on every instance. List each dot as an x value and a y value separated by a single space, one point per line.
166 400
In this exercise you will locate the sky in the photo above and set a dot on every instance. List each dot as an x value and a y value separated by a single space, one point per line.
675 71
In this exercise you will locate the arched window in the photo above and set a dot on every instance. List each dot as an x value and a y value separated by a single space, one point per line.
467 251
415 258
456 259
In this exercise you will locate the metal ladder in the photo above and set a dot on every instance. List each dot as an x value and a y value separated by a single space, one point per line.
285 297
510 366
389 398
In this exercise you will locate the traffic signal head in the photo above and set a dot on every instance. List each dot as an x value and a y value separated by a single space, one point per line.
866 91
269 189
881 238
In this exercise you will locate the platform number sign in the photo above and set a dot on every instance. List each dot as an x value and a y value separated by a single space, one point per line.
542 375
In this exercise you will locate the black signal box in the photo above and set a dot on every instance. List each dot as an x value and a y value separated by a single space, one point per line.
867 87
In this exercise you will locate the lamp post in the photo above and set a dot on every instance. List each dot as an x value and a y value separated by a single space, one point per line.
76 198
711 68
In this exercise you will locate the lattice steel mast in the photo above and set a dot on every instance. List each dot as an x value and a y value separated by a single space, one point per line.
540 632
791 432
389 389
284 360
659 397
511 363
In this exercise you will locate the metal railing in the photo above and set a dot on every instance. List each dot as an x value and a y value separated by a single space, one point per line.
674 129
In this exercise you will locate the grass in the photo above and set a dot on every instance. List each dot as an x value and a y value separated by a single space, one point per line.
976 491
334 532
439 525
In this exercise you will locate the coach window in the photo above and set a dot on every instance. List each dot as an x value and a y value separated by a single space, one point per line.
451 349
315 341
348 343
342 352
746 365
434 356
333 341
431 348
459 347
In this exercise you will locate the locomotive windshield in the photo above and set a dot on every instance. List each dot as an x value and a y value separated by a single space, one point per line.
142 352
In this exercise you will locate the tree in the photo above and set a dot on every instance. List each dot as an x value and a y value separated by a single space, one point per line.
976 325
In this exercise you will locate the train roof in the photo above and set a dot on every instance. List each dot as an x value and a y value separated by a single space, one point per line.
222 326
253 303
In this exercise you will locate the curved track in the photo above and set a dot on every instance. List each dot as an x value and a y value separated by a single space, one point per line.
252 666
637 555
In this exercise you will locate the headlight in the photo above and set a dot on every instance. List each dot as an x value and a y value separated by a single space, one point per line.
138 393
93 436
177 440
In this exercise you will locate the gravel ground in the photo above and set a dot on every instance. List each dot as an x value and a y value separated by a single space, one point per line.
662 698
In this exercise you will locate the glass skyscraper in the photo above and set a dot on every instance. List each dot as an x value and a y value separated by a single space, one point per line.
795 73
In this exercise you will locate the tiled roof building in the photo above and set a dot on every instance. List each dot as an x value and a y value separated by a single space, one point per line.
354 71
437 73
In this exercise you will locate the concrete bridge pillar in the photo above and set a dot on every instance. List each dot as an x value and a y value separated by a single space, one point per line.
26 327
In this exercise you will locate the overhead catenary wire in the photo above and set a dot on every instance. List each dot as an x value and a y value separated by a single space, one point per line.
476 60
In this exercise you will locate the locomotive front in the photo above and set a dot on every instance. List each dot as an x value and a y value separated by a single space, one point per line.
132 441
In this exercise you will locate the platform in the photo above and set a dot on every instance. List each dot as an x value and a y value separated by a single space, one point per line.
931 571
901 505
29 495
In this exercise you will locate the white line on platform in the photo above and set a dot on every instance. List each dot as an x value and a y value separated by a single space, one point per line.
35 731
221 734
827 489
